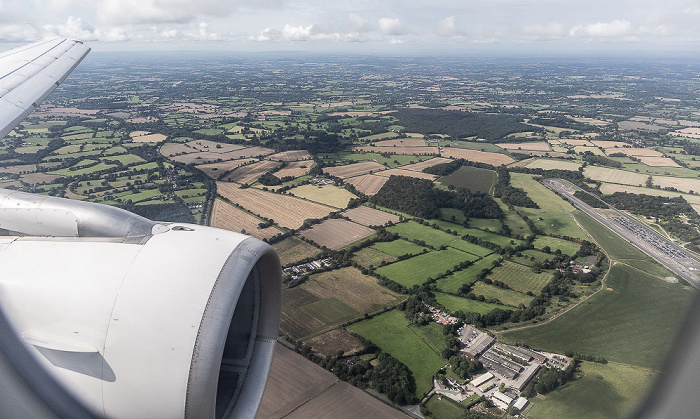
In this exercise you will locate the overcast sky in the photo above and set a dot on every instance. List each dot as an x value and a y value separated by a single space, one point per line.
368 26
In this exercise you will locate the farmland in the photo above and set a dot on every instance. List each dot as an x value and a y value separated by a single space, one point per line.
369 216
451 283
287 211
354 169
454 303
418 269
370 257
391 333
495 159
520 278
228 217
293 249
327 194
336 233
399 247
368 184
472 178
507 297
412 230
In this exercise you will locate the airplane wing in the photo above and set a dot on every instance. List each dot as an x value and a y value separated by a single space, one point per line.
28 74
132 317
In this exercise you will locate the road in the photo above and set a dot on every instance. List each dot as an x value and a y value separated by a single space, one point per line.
674 257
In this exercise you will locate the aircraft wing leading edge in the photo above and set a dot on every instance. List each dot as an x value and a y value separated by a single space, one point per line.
28 74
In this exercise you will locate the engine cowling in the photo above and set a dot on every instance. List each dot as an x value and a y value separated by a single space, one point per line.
138 318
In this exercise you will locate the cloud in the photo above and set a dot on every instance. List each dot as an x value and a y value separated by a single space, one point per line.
540 32
75 28
448 28
390 26
267 35
614 29
357 23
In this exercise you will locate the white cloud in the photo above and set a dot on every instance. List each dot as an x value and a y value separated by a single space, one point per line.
448 28
357 23
75 28
614 29
390 26
296 33
267 35
551 30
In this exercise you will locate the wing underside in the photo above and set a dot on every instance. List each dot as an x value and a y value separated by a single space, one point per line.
28 74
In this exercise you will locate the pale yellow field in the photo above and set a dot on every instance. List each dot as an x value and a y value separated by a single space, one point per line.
336 233
138 133
682 184
609 144
294 169
368 184
550 164
291 155
214 170
418 167
369 216
403 172
149 138
605 174
250 173
214 147
228 217
658 161
417 151
285 210
594 150
576 142
354 169
636 152
401 142
495 159
326 194
536 146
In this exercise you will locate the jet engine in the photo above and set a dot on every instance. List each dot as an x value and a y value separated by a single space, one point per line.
138 318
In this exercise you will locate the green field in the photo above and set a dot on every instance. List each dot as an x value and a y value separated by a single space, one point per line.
412 230
617 247
444 408
502 241
615 388
392 161
554 243
487 223
454 303
530 256
635 323
517 225
391 333
398 248
553 215
418 269
507 297
520 278
370 257
472 178
451 283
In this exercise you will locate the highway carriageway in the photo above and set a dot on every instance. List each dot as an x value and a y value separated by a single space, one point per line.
677 259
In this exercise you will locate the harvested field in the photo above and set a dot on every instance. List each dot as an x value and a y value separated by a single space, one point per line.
283 395
354 169
583 149
291 155
327 194
286 210
417 151
214 170
206 145
535 146
549 164
636 152
576 142
228 217
681 184
401 142
495 159
368 184
409 173
605 174
29 168
418 167
331 342
294 169
336 233
342 400
369 216
37 178
687 132
658 161
250 173
149 138
634 125
174 149
609 144
292 250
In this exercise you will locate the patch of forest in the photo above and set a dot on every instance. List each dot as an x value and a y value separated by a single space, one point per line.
511 195
420 197
491 127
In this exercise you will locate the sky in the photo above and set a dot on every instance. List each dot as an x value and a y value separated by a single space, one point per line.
362 26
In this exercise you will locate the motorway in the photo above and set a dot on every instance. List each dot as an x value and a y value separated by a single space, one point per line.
674 257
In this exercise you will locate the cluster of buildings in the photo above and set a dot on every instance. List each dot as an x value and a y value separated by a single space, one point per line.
320 181
297 271
441 317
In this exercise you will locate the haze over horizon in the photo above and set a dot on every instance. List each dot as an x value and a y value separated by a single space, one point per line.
406 27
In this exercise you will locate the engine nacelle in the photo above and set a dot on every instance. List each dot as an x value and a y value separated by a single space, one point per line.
138 318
